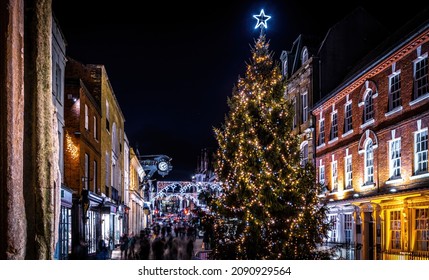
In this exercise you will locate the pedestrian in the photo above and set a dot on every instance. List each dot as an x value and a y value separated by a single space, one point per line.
144 252
123 241
81 250
176 229
131 246
102 251
158 248
206 241
189 249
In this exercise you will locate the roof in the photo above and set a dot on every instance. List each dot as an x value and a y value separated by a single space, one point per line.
386 48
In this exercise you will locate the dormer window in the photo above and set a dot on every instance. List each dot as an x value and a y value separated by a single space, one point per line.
304 55
285 68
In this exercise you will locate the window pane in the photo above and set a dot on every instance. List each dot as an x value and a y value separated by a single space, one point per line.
369 163
321 132
395 158
334 126
368 114
348 120
395 229
421 77
395 92
421 156
422 230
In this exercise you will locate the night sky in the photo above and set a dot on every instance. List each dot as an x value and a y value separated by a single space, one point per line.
172 66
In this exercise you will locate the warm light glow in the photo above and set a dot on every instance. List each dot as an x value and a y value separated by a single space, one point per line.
268 198
71 147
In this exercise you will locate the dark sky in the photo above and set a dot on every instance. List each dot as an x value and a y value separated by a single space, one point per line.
173 65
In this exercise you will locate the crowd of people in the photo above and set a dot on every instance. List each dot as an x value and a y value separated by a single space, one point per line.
166 241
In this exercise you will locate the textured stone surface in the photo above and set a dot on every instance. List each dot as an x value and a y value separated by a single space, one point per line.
41 180
12 214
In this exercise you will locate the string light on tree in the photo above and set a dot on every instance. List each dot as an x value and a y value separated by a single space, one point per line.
269 208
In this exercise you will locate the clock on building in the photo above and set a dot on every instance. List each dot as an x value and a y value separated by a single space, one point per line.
162 166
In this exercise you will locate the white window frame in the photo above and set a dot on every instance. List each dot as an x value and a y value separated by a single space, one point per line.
304 55
332 233
395 228
334 175
348 180
321 132
321 173
422 229
304 104
348 228
415 62
391 78
394 158
346 118
369 169
423 153
285 65
366 100
334 126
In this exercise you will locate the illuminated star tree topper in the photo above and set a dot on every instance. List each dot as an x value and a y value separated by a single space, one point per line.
262 20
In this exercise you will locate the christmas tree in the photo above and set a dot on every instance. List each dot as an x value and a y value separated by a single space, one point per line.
269 208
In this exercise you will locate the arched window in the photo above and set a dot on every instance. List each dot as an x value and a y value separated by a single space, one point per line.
304 153
304 55
368 113
369 162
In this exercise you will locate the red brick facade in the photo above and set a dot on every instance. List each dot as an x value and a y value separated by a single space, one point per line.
79 140
374 201
403 122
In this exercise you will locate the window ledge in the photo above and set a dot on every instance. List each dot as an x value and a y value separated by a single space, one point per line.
368 185
348 189
419 176
395 110
347 133
421 98
394 181
367 123
333 140
321 146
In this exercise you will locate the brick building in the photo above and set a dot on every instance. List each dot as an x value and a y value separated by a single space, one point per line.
313 67
138 219
82 155
112 149
372 151
63 245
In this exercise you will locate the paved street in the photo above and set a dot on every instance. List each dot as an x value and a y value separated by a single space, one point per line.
116 254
